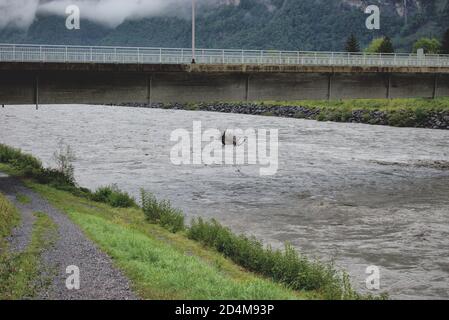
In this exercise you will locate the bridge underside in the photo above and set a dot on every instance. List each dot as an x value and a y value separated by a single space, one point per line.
30 83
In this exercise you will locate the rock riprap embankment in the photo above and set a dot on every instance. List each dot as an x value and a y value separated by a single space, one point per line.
418 118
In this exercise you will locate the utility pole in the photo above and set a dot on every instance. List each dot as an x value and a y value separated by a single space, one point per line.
193 32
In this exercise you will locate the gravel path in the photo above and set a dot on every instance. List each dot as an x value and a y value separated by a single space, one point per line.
99 279
21 235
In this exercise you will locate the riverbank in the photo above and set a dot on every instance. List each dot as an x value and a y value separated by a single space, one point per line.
418 113
186 262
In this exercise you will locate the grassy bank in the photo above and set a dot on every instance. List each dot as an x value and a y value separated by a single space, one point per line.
9 218
159 263
439 104
166 259
419 112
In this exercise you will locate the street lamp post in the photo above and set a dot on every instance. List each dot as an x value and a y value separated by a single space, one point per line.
193 32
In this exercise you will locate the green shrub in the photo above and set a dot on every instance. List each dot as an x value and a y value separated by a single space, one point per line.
161 212
113 196
421 115
402 118
321 116
25 163
287 266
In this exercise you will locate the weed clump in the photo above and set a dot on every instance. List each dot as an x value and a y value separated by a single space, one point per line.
113 196
161 212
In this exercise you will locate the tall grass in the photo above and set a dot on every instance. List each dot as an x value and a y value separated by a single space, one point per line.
113 196
161 212
287 266
9 218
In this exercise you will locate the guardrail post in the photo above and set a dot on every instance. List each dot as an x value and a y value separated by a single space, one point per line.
14 53
243 58
223 56
160 55
41 58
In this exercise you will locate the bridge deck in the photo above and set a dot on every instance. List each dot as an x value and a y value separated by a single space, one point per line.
143 56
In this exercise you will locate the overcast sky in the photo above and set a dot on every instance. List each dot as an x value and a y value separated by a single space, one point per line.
21 13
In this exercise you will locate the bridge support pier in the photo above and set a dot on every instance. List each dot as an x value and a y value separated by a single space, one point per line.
329 87
149 86
389 86
247 88
435 87
36 91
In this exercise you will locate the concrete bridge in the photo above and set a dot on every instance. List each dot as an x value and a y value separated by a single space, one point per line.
32 74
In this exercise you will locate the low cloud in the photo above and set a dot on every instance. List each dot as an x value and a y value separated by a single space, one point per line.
111 13
17 13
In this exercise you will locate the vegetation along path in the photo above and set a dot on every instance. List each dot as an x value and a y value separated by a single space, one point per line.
99 279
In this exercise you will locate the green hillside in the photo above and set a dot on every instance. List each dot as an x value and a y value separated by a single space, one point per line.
253 24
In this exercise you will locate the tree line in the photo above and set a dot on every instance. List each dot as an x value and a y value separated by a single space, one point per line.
385 45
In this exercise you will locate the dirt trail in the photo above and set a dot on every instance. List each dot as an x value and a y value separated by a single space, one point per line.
99 279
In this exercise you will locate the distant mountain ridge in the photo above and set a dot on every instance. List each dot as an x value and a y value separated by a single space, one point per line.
256 24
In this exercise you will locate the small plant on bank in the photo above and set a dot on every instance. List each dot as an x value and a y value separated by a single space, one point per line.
161 212
113 196
64 158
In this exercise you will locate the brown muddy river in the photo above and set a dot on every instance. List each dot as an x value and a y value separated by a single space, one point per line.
357 194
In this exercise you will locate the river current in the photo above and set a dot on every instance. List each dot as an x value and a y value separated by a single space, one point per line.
356 194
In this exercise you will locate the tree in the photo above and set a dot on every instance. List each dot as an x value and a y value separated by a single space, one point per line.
352 44
430 45
445 42
386 46
374 46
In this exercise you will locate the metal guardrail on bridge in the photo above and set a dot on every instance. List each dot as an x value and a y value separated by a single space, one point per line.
125 55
